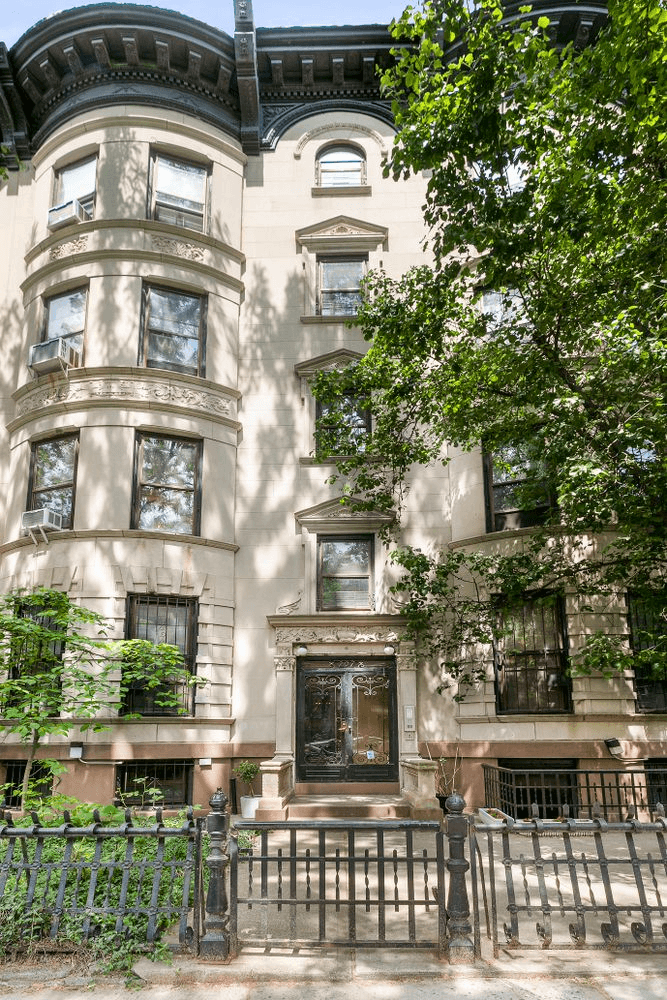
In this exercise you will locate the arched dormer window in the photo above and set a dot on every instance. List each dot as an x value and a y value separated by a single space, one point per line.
340 166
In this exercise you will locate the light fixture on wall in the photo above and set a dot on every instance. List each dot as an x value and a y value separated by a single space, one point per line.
388 650
614 747
76 751
301 650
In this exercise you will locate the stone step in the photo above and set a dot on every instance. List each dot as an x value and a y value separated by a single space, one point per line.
348 807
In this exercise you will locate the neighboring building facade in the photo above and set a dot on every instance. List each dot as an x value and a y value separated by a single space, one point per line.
183 249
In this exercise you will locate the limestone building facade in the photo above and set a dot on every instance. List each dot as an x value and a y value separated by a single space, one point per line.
183 246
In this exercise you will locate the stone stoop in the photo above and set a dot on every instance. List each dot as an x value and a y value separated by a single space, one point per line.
371 807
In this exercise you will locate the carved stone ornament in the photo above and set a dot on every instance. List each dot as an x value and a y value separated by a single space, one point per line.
329 132
285 663
341 633
63 250
73 390
178 248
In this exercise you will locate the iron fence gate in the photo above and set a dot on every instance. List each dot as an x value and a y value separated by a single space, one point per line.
337 883
570 884
75 880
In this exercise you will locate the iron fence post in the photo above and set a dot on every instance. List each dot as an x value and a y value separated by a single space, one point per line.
214 946
461 947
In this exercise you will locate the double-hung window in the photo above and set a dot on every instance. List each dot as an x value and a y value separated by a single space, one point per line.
173 331
66 317
74 193
53 476
531 657
162 619
345 573
178 192
343 430
167 484
516 492
339 285
340 166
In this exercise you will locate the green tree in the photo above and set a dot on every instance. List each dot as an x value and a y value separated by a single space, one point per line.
59 673
537 325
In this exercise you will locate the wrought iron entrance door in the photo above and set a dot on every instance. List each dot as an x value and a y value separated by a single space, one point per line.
346 720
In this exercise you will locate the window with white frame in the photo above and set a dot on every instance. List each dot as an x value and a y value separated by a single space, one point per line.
345 572
336 255
178 193
339 284
53 476
167 484
65 317
340 166
173 330
74 192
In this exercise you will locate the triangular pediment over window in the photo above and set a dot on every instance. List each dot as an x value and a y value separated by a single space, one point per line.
334 516
343 234
332 361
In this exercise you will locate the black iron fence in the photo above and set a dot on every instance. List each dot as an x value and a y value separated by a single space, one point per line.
79 881
534 883
613 795
337 883
581 884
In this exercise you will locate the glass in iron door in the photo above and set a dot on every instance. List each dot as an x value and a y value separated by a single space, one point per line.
347 723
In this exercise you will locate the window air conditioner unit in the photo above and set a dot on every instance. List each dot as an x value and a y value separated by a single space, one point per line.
53 355
67 214
41 520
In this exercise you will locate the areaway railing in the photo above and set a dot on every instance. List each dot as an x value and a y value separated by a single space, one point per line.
613 795
80 881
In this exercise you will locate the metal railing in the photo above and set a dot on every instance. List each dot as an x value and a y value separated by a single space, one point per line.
584 883
613 795
337 883
76 881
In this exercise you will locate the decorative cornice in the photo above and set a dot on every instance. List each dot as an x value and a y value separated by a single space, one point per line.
280 116
342 232
252 87
122 53
320 629
332 515
131 535
332 361
165 238
84 388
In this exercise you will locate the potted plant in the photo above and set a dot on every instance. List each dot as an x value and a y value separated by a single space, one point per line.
247 771
445 777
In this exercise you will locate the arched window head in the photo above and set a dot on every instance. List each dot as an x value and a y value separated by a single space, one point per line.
341 166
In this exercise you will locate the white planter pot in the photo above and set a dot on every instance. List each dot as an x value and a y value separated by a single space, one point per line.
249 804
495 818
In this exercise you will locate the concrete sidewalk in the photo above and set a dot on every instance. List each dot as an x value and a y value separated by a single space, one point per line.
378 974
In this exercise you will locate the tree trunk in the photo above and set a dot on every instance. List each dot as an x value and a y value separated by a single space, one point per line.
34 744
